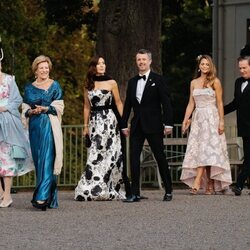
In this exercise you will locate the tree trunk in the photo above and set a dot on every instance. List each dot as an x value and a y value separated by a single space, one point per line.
123 28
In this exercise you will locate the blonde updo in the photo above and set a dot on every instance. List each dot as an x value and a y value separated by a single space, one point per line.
39 60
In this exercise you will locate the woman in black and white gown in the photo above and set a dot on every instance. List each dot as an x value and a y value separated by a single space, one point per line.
102 177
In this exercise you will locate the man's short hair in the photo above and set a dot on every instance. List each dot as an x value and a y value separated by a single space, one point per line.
145 51
241 58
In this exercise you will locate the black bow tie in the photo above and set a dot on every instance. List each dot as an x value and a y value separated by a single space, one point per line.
142 77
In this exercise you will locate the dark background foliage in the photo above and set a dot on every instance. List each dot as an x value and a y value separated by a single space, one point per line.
66 32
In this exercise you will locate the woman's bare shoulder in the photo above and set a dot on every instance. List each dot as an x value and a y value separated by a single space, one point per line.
193 83
217 82
112 83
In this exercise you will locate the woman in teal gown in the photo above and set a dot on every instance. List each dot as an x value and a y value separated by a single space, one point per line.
43 98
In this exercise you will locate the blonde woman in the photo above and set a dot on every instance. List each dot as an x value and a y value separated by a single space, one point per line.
206 164
42 110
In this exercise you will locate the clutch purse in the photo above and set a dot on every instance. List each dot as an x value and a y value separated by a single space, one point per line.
87 141
18 153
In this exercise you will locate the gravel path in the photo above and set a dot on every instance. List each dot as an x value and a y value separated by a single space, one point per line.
187 222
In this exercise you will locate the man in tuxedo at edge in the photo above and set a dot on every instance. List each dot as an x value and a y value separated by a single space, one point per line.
241 103
152 119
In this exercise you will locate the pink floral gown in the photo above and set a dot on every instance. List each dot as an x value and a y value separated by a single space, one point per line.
205 146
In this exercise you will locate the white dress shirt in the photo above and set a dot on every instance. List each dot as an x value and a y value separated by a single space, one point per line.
243 85
140 86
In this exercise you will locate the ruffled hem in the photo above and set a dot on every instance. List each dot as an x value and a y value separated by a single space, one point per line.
221 176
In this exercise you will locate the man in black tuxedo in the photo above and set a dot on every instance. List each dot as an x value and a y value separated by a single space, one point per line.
152 118
241 103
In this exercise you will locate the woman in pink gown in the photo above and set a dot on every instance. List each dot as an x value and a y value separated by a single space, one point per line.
206 164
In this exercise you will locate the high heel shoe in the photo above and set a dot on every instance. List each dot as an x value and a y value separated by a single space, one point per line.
6 204
210 188
1 195
209 191
43 206
194 190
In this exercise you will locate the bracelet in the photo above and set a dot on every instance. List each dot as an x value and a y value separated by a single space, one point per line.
85 125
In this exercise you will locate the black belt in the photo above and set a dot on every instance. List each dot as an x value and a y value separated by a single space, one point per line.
100 108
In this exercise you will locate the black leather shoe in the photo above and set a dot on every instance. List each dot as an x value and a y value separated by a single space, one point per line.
13 191
167 197
132 198
237 190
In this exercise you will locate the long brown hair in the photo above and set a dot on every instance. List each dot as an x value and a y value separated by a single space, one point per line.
89 82
211 75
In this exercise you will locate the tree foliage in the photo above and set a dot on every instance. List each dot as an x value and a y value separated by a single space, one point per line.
26 33
186 33
71 15
123 28
66 32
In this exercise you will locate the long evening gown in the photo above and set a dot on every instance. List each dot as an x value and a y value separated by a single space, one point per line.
103 174
15 155
205 146
42 142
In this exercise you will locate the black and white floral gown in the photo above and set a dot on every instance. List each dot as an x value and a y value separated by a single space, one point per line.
103 174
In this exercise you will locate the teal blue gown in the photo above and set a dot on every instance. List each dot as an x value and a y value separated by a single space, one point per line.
42 142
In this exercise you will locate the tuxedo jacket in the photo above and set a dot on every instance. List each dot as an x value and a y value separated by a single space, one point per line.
154 111
241 103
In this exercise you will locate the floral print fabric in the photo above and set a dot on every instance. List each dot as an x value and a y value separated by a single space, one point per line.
103 174
8 165
4 93
205 146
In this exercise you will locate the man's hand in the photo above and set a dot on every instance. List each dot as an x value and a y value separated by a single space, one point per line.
168 131
126 132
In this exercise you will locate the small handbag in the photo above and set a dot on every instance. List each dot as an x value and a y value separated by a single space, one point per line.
87 141
18 153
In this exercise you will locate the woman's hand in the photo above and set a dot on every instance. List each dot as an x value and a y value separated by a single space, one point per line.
41 109
85 130
38 110
2 109
33 112
168 131
221 128
185 126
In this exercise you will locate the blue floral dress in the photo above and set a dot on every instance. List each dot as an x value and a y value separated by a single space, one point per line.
15 155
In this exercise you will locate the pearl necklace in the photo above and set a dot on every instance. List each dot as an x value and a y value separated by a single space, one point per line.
41 83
